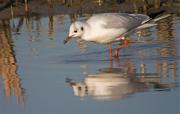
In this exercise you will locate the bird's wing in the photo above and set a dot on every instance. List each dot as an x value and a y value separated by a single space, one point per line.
122 20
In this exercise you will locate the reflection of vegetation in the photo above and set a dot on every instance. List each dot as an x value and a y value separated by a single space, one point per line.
8 66
165 29
165 33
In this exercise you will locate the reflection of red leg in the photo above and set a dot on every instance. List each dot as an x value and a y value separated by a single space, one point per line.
116 51
125 44
110 51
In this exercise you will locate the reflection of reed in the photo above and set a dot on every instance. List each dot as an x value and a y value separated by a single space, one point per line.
51 26
27 16
38 22
73 17
165 29
20 23
82 45
51 19
142 69
8 66
144 33
166 34
167 69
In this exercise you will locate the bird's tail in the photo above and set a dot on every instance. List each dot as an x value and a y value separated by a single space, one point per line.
161 17
152 22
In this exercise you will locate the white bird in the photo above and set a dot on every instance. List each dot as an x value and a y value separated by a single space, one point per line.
106 28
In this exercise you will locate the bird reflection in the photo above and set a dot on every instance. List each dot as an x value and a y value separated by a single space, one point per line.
118 83
108 84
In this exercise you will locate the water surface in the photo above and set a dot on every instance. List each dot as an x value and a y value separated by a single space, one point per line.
39 74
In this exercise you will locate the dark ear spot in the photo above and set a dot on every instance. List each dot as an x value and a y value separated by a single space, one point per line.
82 28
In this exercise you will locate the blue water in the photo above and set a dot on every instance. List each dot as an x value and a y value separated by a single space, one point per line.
44 64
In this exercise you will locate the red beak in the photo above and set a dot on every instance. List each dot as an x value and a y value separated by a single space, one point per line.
67 38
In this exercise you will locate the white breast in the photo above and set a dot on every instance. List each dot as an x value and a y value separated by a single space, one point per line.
100 34
109 35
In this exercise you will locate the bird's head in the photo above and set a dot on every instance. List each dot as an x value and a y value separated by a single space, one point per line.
76 30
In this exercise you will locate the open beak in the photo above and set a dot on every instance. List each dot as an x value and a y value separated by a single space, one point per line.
67 38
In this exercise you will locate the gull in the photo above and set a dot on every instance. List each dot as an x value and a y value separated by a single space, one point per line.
106 28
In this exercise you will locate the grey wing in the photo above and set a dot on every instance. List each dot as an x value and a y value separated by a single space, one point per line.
123 20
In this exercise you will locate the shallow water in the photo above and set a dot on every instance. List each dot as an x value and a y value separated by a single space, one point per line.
39 74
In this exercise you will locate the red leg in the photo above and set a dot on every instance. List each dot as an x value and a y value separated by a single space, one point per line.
125 44
116 51
110 54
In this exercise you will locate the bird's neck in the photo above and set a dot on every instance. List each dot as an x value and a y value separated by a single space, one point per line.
87 32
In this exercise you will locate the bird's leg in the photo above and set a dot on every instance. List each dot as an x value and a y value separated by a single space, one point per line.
110 54
124 44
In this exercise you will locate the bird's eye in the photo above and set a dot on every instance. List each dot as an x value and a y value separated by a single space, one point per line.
75 30
82 28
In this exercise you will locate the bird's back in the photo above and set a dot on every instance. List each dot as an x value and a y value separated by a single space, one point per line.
108 27
118 20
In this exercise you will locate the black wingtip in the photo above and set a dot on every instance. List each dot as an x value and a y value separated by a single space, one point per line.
155 14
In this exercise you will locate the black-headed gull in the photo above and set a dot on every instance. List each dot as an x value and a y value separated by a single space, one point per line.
106 28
